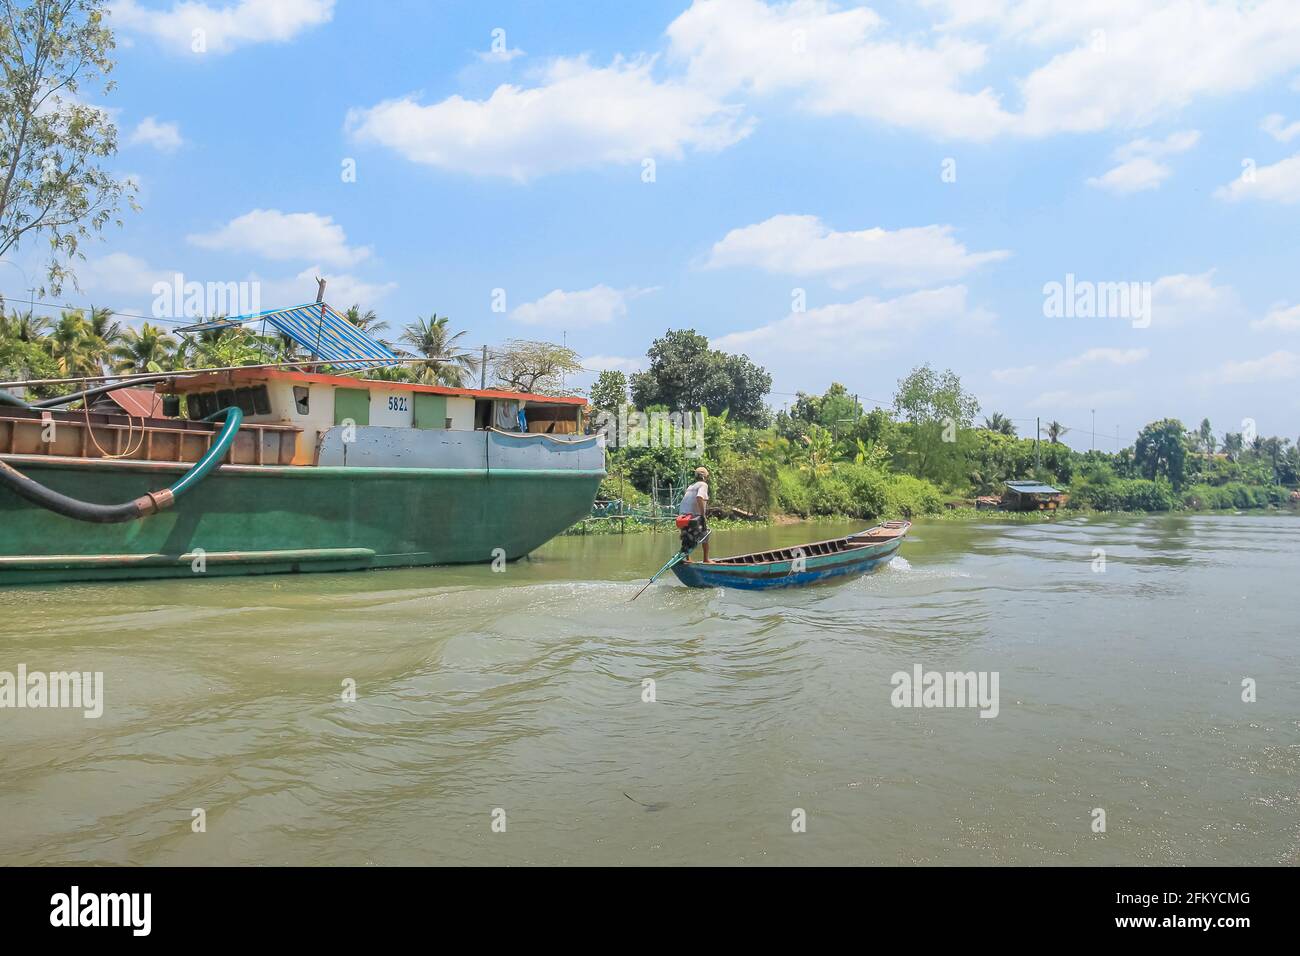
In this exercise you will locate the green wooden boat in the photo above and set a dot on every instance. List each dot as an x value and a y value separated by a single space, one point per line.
318 473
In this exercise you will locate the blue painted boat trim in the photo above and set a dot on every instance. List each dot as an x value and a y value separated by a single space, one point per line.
781 574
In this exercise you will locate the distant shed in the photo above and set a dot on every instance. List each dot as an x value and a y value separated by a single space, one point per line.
1031 496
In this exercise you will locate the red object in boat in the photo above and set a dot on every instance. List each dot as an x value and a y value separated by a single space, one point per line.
683 520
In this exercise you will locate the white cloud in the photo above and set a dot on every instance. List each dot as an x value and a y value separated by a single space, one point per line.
1283 318
121 274
598 305
837 62
1130 64
500 56
805 246
579 116
224 28
341 291
1014 376
164 137
1274 367
835 331
1139 163
1112 64
1275 125
1181 299
277 235
1107 356
617 363
1278 183
1132 176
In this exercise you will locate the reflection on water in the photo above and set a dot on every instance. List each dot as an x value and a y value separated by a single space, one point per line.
523 691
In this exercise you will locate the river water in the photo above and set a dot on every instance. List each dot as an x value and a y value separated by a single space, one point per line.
517 698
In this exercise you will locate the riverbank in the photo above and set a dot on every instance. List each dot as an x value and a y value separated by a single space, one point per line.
604 526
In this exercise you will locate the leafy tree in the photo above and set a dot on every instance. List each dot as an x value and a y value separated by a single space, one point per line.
685 373
23 361
51 143
538 367
1054 431
817 451
1161 451
444 364
938 410
610 390
1205 435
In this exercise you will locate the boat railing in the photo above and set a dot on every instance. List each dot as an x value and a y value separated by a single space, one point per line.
100 435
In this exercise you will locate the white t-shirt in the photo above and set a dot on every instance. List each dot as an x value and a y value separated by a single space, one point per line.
698 490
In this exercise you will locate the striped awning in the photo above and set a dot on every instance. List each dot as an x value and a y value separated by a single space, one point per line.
324 334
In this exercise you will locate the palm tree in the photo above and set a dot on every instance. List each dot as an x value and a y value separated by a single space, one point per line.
23 326
433 339
367 321
149 349
72 345
1000 423
1054 431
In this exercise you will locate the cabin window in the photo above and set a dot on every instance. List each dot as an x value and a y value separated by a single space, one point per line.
225 398
244 397
261 400
301 399
553 419
208 404
193 408
482 413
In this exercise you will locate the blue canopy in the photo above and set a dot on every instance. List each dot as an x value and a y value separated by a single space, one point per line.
323 332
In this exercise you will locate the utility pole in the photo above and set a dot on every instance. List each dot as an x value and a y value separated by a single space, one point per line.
1094 429
1038 432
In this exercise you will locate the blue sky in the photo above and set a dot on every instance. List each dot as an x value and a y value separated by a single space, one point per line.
796 146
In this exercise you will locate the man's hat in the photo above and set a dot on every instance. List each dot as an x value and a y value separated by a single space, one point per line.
701 472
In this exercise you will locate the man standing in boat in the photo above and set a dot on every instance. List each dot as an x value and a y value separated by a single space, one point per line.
695 506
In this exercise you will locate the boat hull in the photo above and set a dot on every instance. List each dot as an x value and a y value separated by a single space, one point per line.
787 573
269 519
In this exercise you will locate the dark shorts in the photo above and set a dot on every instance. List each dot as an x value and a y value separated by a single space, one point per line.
694 532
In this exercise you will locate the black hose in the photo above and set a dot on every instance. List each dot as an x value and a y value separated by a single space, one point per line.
151 502
97 390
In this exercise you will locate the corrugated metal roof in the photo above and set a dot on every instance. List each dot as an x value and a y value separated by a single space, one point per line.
1032 488
138 401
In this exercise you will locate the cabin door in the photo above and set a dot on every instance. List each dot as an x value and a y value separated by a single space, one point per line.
430 410
352 403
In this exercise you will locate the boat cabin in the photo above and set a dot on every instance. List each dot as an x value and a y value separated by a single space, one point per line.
316 404
1031 496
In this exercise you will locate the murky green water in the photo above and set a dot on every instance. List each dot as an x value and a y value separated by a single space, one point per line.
523 691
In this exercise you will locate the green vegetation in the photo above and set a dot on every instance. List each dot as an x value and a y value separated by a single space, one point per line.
828 455
54 146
